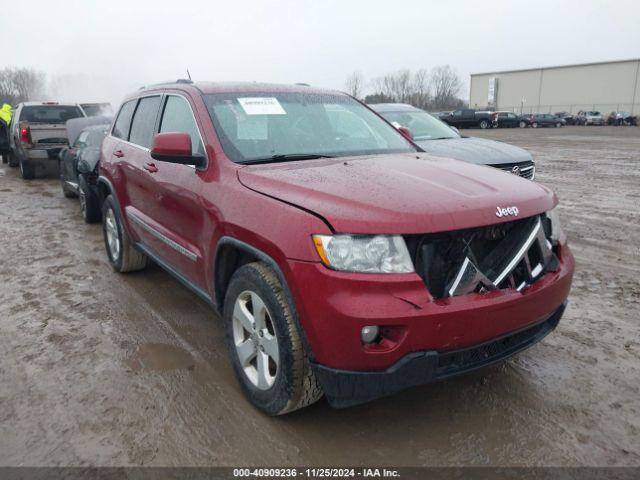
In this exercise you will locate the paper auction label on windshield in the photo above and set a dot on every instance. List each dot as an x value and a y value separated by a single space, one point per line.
261 106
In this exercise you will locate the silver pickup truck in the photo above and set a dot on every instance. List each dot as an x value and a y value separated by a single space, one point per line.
38 133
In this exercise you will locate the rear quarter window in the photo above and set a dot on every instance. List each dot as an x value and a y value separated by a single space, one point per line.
123 122
144 121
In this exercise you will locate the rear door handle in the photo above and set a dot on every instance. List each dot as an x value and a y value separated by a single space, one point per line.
119 153
150 167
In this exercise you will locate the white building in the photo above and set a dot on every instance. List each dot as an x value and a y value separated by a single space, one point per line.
603 86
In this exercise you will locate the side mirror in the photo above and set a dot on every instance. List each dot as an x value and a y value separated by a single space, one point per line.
406 133
175 147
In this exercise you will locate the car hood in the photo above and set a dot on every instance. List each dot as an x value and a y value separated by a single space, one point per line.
476 150
402 193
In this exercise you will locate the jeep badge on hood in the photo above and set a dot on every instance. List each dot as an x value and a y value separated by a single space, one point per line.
505 211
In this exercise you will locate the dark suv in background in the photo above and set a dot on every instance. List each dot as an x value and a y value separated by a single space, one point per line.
343 259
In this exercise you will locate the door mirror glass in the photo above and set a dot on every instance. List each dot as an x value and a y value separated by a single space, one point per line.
175 147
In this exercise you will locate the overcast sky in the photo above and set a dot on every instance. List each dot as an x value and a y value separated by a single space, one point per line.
102 49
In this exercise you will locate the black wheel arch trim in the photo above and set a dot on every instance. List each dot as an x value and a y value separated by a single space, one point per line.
263 257
112 192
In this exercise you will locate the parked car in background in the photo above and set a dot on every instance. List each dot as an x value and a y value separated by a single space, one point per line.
441 115
343 260
589 117
438 138
79 163
38 133
469 118
505 120
545 120
524 120
97 109
569 118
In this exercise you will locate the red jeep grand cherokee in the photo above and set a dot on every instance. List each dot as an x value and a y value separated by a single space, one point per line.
343 260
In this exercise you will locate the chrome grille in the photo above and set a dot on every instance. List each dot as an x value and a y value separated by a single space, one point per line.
524 169
511 255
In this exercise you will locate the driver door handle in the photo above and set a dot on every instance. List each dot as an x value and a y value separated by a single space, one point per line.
119 153
150 167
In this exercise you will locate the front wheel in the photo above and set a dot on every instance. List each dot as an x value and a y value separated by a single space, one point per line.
523 124
558 125
265 345
484 124
89 202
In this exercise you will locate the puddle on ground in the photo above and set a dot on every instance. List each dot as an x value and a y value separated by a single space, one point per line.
160 357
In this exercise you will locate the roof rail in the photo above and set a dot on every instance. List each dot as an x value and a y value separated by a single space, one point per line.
168 82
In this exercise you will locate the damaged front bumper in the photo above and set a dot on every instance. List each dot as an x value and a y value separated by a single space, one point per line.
345 388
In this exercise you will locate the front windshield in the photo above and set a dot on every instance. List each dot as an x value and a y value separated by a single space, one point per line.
423 126
261 126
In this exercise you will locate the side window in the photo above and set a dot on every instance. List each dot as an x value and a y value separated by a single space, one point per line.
178 117
457 113
144 121
123 122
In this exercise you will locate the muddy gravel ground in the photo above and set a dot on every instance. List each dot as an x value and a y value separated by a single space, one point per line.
99 368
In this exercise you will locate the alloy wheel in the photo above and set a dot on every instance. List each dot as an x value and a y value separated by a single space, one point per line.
255 340
113 239
83 203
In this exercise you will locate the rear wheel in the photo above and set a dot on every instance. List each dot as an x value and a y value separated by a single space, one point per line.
122 255
27 171
534 124
13 161
266 348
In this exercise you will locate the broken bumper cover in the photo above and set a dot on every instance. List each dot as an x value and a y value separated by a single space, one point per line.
344 388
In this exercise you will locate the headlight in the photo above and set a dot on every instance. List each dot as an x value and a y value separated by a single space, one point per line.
364 253
553 228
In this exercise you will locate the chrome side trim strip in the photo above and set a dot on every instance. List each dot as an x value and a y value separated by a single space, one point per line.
166 240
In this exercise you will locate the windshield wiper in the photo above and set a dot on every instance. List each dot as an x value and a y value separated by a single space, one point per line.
283 157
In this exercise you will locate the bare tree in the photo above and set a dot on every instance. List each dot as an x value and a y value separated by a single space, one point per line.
420 95
429 91
355 84
446 86
20 85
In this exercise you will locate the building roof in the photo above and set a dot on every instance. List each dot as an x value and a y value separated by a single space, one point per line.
557 66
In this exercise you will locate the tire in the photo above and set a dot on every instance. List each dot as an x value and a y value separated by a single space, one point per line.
484 124
27 171
13 161
124 258
558 125
5 158
534 125
89 202
287 381
523 124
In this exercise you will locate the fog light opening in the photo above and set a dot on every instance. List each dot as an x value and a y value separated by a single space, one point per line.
370 334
